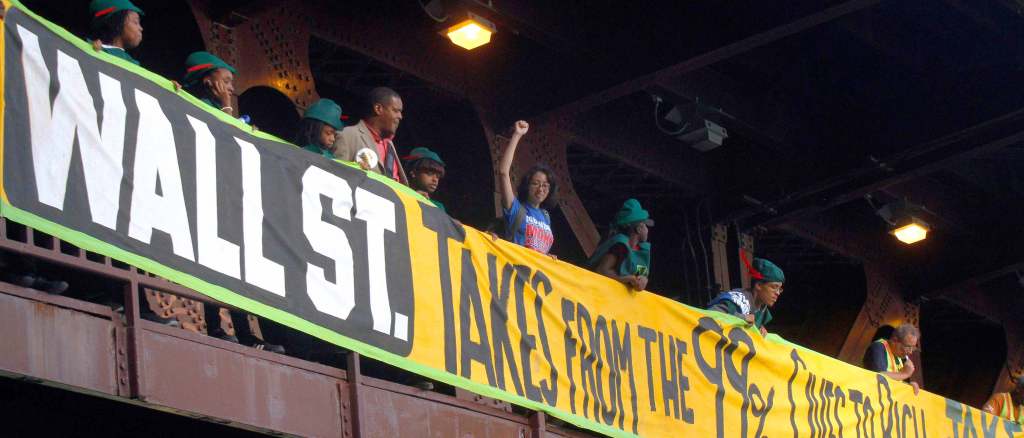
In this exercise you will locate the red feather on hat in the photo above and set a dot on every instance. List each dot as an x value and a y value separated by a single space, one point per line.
754 273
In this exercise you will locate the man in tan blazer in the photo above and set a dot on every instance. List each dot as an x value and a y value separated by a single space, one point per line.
375 132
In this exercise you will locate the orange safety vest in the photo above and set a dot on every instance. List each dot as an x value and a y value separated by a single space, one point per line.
1007 411
893 362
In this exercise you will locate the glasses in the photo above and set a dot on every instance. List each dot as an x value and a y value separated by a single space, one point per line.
907 348
537 184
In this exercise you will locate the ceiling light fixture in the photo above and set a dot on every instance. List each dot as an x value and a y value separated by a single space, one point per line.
904 221
912 230
472 32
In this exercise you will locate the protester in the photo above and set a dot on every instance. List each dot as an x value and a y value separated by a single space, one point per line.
1010 404
425 172
626 254
319 126
891 357
527 223
753 303
371 141
116 27
211 80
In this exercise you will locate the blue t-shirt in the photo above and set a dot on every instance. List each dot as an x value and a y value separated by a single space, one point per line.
535 232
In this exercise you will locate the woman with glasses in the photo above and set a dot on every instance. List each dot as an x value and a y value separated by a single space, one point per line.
527 221
752 303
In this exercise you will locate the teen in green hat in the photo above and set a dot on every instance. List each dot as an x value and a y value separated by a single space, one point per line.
319 126
425 172
210 79
752 304
626 254
116 27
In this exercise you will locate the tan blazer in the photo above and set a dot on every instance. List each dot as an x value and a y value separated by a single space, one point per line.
355 137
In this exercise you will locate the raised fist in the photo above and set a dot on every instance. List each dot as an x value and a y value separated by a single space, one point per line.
521 127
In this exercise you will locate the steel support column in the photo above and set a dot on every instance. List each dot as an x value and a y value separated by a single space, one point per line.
720 255
354 375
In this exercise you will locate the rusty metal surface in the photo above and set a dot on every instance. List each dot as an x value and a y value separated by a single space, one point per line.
223 384
267 44
57 344
63 254
398 414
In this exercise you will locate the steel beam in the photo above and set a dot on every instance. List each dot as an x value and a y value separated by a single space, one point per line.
903 166
717 55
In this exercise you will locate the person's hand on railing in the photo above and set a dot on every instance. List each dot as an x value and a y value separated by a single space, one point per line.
917 388
641 282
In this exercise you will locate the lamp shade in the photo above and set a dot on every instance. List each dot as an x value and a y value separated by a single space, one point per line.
911 231
471 33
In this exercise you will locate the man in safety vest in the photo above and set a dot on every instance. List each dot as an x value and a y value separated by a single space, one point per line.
1009 405
891 357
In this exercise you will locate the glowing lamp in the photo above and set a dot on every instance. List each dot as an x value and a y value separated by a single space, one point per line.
471 33
913 231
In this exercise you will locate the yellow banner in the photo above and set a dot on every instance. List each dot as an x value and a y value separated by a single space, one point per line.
636 363
488 316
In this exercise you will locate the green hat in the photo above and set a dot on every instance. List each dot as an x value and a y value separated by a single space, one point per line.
423 153
327 111
102 8
199 63
767 271
632 212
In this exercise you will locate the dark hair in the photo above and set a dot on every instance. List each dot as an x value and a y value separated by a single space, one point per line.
424 163
309 132
108 27
524 186
379 95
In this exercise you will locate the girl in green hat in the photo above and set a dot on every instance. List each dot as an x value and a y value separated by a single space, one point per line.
210 79
116 27
319 127
626 254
